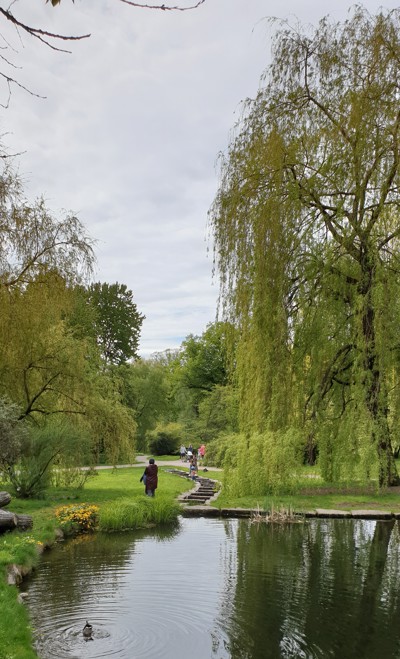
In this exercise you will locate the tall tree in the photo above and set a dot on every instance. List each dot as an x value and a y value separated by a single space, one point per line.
307 240
200 365
117 321
145 388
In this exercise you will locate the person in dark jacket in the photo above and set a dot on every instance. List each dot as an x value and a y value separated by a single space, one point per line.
151 473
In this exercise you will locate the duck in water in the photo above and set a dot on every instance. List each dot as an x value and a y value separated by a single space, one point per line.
87 632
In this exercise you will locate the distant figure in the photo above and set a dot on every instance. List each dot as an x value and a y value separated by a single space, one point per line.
201 452
87 632
151 473
182 451
193 468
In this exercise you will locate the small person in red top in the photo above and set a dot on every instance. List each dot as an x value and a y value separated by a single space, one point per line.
201 451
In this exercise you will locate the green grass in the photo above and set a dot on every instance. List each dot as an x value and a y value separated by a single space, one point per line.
142 512
303 503
311 492
15 631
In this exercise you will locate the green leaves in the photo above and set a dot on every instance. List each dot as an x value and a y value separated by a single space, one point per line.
117 322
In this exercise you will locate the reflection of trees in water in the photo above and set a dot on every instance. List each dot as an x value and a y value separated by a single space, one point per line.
90 565
228 568
322 589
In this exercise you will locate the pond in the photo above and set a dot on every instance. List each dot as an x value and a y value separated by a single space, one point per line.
214 588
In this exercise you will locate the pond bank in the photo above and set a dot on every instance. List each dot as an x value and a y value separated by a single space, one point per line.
208 511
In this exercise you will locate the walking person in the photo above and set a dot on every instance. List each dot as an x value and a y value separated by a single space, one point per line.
151 473
201 452
193 467
182 452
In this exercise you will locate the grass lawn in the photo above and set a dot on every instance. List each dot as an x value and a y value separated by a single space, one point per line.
312 492
109 485
309 502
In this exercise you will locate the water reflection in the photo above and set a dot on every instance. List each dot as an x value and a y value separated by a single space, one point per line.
322 589
223 589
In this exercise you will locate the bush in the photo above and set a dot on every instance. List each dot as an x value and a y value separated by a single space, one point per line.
80 518
56 444
165 440
217 450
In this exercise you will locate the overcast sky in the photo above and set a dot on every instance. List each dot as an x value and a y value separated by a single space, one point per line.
130 130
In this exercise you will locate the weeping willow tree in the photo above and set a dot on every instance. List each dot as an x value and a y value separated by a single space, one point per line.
306 229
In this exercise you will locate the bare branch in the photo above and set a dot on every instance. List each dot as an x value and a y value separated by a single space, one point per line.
163 7
40 34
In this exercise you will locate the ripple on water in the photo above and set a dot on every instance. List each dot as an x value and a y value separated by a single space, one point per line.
144 597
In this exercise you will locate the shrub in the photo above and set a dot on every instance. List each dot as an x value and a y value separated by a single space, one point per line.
217 450
165 439
80 518
53 444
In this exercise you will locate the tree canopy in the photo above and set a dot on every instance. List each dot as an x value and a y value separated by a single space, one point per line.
306 227
116 322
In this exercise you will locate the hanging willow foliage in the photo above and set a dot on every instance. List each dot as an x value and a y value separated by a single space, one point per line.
306 232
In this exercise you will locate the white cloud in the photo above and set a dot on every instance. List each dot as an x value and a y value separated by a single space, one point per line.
130 131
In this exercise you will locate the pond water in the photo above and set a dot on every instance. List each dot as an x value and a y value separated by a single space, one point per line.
219 589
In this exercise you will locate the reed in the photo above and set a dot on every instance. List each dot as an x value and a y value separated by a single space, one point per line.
280 516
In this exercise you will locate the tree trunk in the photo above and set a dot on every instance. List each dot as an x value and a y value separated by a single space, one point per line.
5 499
376 394
7 521
24 522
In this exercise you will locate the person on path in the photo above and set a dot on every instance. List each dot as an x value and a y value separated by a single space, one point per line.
151 473
193 467
182 451
201 451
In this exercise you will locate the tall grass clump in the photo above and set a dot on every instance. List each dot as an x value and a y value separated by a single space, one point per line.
126 514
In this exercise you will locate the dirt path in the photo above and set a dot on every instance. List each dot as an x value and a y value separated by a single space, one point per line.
143 459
